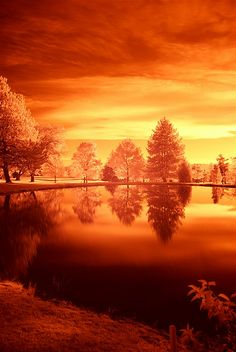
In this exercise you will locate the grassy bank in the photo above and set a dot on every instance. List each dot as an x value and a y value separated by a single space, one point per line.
28 323
23 186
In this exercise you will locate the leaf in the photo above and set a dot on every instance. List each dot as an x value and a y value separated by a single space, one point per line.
191 292
211 283
222 295
194 298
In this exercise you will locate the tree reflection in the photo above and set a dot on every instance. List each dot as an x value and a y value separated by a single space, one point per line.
111 188
87 202
24 219
217 194
184 193
166 209
126 204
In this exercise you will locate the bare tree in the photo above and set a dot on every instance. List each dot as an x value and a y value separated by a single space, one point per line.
127 161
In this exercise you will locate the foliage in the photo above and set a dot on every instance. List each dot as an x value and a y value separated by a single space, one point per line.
127 161
218 306
184 172
34 154
223 166
16 126
190 339
221 309
108 174
85 162
215 174
165 151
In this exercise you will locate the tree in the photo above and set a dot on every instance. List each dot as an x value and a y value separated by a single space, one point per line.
184 172
54 167
215 174
232 170
108 174
33 154
223 166
85 162
16 126
165 151
127 161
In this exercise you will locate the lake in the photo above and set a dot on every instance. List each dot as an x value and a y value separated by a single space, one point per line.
131 251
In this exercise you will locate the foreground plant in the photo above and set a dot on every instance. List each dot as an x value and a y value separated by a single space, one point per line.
221 309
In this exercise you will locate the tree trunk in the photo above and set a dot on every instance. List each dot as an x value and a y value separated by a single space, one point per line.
127 175
6 204
6 174
164 179
32 178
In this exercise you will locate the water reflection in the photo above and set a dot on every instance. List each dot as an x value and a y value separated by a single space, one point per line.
24 220
111 188
217 194
126 204
166 209
87 200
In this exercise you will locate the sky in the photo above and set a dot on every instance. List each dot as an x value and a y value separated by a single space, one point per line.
106 70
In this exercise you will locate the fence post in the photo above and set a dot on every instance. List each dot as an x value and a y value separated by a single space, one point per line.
173 338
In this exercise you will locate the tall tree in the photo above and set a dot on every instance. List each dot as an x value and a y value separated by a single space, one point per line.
16 126
223 166
85 162
165 151
215 174
184 172
127 161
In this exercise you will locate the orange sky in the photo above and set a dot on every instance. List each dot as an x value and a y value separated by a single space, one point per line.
111 69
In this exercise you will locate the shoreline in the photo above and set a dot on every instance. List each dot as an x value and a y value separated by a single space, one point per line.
28 323
18 186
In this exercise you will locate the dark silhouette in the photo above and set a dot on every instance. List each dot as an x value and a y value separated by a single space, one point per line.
184 172
126 204
165 210
184 193
87 202
108 174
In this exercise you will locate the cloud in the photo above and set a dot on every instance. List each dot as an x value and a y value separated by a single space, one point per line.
115 68
112 38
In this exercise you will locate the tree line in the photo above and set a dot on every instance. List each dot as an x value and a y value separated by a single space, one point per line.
28 148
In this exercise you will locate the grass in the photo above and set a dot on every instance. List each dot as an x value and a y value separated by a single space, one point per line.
46 184
28 323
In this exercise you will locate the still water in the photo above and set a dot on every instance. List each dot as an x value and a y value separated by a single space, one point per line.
131 252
